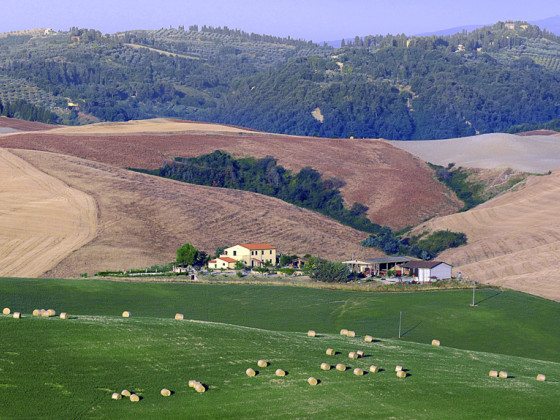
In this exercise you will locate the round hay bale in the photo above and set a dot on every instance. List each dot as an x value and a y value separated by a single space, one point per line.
165 392
401 374
44 313
17 315
353 355
398 368
200 387
312 381
250 372
311 333
541 377
341 367
63 315
126 314
360 353
351 334
503 375
493 373
51 312
368 338
358 372
126 393
435 343
280 372
6 311
330 352
325 366
116 396
344 332
36 312
373 369
134 398
179 316
262 363
192 383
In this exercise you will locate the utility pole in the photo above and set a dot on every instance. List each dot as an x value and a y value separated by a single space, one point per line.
400 322
473 291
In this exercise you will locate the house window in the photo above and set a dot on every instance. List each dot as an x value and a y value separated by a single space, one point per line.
225 252
234 253
270 252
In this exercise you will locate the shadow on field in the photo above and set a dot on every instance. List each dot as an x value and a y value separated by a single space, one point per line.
489 297
411 329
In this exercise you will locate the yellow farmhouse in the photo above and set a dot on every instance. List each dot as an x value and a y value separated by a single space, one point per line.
222 262
253 255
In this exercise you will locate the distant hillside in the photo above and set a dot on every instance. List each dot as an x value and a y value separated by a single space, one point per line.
393 87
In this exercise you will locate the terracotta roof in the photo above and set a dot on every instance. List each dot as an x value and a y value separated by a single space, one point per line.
227 259
253 247
211 261
422 264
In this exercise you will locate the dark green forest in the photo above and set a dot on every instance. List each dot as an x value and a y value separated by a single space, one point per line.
494 79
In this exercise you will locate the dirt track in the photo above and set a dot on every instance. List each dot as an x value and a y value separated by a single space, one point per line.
144 219
42 220
513 240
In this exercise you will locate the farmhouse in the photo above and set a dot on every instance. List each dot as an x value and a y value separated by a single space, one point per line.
222 262
428 270
252 255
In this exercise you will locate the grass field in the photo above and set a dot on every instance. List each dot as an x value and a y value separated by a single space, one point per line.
54 368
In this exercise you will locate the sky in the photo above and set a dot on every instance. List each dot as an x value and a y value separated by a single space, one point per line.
316 20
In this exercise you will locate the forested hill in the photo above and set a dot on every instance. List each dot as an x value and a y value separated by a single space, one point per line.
395 87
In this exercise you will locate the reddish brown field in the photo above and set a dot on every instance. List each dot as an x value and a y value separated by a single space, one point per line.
144 219
399 189
25 125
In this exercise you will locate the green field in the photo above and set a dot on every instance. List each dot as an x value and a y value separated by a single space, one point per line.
53 368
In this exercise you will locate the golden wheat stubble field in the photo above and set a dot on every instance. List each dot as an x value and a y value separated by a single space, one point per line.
42 219
143 219
399 189
513 239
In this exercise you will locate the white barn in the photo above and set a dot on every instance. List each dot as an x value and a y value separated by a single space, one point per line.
427 271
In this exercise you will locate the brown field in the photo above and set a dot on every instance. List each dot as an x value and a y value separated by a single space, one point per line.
42 220
531 153
399 190
143 219
513 239
23 125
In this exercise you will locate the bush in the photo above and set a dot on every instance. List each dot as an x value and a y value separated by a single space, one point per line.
326 271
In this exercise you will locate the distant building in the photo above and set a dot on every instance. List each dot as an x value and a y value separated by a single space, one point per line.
222 262
510 26
252 255
427 271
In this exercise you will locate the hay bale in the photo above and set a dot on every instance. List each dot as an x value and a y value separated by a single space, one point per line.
126 314
179 316
200 387
312 381
541 377
126 393
116 396
280 372
353 355
351 334
51 312
373 369
341 367
344 332
192 383
503 375
368 338
398 368
358 372
6 311
325 366
165 392
435 343
330 352
262 363
36 312
45 314
17 315
360 353
311 333
134 398
401 374
250 372
493 373
63 315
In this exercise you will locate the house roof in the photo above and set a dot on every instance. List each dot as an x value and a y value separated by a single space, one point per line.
384 260
227 259
253 247
422 264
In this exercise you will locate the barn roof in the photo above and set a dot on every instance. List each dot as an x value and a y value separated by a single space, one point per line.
422 264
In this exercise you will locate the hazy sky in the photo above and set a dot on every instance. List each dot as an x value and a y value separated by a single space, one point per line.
317 20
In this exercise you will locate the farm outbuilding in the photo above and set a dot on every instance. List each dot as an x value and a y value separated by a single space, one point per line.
427 271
